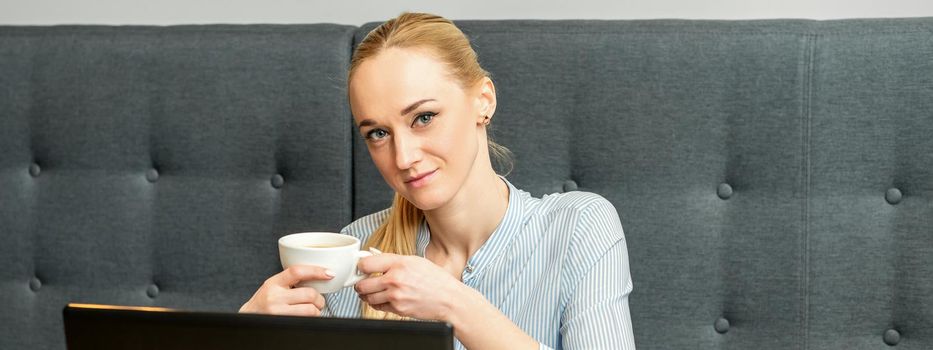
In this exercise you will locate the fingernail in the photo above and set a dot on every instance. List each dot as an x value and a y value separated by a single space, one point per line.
330 273
374 250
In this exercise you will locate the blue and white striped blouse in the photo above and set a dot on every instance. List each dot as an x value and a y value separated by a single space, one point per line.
556 266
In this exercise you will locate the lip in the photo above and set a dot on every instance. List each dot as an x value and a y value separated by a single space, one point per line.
420 179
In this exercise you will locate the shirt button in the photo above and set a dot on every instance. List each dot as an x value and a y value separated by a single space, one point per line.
468 269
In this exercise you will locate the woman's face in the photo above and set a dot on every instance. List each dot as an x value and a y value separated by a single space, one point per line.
423 130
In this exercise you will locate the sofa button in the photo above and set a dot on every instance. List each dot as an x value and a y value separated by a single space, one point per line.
721 325
152 175
152 291
278 181
570 185
892 337
34 170
35 284
893 196
724 191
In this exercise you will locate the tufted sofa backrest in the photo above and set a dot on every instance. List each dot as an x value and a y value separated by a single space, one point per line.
773 177
158 166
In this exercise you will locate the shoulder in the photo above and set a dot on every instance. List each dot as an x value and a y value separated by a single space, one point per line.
575 219
588 221
575 208
363 227
577 201
589 228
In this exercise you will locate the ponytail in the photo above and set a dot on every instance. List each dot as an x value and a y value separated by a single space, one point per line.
396 235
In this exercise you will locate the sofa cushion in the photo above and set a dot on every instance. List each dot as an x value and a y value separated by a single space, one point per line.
871 189
694 130
158 165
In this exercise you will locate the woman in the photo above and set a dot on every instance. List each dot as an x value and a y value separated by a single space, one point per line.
461 244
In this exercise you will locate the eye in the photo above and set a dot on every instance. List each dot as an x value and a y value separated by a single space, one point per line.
424 118
376 134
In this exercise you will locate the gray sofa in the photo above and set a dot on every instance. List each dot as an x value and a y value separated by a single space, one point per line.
774 177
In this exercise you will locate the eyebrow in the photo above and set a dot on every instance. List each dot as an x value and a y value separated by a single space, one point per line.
414 105
404 111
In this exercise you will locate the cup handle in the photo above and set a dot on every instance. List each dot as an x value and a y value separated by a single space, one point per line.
357 276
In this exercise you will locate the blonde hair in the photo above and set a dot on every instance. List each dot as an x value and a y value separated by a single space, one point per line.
398 233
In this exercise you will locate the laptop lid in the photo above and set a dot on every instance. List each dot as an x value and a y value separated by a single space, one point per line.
105 327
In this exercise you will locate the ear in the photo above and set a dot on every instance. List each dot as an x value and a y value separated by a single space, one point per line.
486 100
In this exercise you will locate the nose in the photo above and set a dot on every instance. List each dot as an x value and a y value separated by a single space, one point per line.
407 151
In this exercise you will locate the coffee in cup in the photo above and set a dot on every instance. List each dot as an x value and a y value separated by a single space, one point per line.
336 252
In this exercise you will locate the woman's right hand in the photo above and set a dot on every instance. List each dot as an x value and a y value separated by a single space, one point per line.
278 294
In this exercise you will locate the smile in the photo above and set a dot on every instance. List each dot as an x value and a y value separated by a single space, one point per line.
421 179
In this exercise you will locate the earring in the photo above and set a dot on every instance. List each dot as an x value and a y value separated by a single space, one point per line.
486 120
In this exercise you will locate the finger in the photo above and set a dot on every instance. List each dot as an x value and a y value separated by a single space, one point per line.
377 263
296 310
319 301
297 273
371 285
304 295
376 298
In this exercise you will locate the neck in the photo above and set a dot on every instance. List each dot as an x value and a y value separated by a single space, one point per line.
460 228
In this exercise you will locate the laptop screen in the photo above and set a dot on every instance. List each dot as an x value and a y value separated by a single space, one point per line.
104 327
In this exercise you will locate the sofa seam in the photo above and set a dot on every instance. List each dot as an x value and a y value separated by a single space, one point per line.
810 66
220 29
260 28
353 143
471 32
571 32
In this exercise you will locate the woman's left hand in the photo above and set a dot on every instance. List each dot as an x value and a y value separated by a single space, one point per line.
409 286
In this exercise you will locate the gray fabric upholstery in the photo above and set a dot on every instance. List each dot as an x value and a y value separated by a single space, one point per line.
655 116
871 186
157 152
774 177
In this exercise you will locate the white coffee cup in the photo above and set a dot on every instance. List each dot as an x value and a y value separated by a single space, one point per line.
336 252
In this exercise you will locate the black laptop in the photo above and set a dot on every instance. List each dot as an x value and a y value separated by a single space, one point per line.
104 327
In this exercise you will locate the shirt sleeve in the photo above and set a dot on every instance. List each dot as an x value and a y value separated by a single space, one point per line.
596 313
